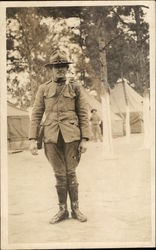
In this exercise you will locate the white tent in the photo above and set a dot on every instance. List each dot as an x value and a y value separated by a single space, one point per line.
116 120
135 102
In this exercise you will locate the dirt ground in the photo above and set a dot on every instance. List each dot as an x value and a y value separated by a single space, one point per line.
115 194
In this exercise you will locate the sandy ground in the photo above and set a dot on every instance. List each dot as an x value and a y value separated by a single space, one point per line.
115 194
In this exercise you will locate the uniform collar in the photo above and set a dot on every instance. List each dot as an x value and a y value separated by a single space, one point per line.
51 90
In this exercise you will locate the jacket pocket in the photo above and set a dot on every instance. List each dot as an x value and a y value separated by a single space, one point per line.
49 102
69 100
73 122
47 122
50 92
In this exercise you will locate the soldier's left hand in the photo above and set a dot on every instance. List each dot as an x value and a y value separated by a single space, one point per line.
82 146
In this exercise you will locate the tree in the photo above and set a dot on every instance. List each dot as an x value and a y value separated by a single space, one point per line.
39 30
95 36
24 44
29 42
135 45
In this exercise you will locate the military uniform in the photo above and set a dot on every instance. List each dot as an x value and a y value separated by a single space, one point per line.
96 130
65 111
65 125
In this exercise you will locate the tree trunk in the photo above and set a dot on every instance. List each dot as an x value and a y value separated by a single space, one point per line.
107 128
140 52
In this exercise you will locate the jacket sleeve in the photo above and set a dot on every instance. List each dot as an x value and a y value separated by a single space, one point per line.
82 112
37 113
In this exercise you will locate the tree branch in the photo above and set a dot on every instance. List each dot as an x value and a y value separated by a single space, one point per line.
110 41
144 6
121 20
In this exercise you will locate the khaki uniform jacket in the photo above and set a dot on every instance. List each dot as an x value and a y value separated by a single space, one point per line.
66 112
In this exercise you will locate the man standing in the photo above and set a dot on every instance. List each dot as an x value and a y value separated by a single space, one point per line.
66 130
95 125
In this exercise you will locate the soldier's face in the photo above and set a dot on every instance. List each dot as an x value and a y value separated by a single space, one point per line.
60 71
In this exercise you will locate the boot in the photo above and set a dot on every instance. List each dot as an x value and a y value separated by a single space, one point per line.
73 194
61 215
63 212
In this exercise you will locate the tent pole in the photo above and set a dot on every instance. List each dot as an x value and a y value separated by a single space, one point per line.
127 113
146 117
127 124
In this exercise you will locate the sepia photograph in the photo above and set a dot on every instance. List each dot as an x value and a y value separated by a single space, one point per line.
77 124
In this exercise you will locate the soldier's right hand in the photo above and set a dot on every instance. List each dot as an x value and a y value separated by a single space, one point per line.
33 147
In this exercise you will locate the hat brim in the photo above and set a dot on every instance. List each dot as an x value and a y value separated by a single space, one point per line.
57 63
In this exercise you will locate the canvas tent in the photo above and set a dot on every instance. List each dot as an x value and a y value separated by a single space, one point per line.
135 102
116 120
17 127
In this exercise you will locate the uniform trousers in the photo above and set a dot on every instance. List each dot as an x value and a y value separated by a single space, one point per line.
64 158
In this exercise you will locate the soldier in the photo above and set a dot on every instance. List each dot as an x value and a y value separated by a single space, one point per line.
95 125
66 130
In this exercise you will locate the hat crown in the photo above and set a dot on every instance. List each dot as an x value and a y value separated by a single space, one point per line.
58 57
